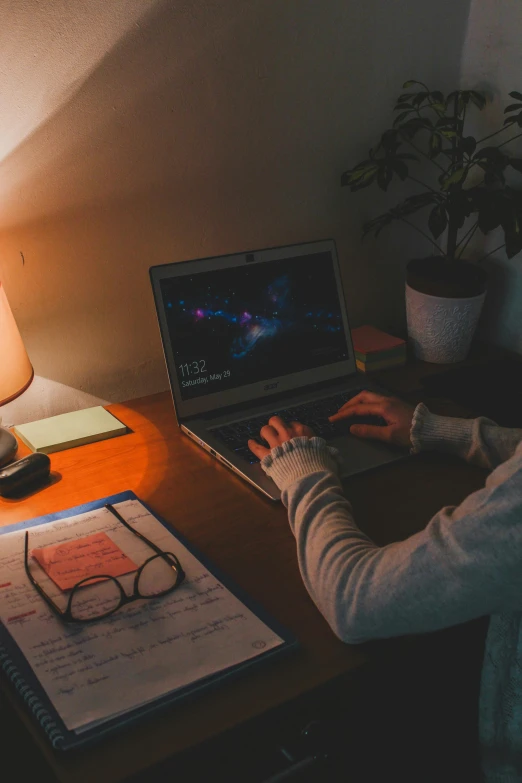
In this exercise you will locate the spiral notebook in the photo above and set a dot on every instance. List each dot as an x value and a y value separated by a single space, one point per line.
80 682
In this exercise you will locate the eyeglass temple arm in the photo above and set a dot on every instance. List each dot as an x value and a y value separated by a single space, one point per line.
133 529
143 538
35 584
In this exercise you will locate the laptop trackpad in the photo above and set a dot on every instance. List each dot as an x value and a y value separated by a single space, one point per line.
358 454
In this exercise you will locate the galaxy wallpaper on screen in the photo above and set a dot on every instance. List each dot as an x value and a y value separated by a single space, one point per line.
246 324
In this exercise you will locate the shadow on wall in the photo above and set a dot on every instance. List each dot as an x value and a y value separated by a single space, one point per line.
202 129
500 319
190 92
492 57
116 128
47 53
46 398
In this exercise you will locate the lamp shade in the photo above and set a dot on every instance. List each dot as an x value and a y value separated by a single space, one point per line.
16 372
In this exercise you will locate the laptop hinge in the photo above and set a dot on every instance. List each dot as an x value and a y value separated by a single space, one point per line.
273 399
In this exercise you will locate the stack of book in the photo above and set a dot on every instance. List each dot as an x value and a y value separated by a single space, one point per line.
377 350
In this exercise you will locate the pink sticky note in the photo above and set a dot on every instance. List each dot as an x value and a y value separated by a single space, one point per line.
69 563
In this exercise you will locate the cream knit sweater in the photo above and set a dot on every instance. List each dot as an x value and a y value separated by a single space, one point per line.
466 563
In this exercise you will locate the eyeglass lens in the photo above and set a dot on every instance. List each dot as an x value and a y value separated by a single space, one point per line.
97 598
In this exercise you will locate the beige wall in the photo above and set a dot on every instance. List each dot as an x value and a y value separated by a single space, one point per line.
140 132
492 58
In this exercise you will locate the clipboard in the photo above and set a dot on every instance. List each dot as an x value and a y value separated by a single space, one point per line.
27 688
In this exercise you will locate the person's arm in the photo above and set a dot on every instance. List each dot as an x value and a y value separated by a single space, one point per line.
480 440
463 565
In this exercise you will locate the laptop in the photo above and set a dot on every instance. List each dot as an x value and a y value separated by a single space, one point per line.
255 334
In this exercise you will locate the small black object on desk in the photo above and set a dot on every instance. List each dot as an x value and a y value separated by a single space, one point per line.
8 446
24 474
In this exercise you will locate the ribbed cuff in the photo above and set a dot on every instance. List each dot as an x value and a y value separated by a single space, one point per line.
430 432
299 457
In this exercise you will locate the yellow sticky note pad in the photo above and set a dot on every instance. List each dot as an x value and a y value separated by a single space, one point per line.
92 556
70 429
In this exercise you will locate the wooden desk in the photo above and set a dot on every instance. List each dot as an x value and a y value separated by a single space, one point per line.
249 538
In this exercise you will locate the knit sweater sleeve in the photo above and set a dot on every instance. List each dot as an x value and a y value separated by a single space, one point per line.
479 440
463 565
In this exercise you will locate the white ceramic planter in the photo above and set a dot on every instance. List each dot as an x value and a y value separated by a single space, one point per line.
441 329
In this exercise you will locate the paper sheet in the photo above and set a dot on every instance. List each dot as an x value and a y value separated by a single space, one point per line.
199 629
83 558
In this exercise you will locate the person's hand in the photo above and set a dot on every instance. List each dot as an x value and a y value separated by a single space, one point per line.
277 432
397 414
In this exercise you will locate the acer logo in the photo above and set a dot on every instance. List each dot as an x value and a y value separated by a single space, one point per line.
271 386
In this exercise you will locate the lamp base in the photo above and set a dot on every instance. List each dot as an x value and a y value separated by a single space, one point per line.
8 446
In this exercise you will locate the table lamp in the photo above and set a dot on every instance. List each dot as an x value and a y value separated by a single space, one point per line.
16 372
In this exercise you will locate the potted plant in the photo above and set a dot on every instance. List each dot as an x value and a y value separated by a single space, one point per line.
464 185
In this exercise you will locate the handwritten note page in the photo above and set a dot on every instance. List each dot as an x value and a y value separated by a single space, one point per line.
84 558
166 643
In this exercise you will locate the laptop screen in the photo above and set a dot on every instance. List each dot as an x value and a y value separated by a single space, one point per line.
240 325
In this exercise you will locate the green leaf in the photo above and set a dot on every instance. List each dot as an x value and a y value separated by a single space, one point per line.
361 176
446 122
492 159
493 176
513 107
353 176
384 177
364 182
399 168
516 95
400 117
412 126
407 207
489 213
435 145
437 96
462 97
461 207
418 201
419 98
389 141
468 145
377 224
448 134
410 83
440 108
516 163
437 221
488 153
478 99
514 118
454 179
357 174
513 243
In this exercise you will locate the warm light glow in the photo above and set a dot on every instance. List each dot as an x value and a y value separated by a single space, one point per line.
16 372
47 52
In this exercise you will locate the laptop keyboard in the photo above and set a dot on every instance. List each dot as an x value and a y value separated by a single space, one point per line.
314 414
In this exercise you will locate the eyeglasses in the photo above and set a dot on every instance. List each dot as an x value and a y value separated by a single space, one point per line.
158 575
